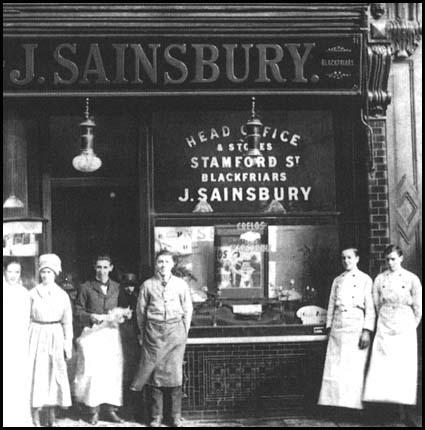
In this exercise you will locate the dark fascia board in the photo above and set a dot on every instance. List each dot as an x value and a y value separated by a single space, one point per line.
51 19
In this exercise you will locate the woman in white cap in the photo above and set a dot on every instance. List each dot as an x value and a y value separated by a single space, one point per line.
50 341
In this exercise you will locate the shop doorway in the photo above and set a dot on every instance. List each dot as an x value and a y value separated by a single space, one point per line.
92 220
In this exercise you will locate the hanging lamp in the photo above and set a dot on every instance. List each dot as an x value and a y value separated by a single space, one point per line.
13 202
254 127
87 161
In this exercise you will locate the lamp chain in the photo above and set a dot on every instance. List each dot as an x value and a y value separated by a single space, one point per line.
13 159
252 107
87 112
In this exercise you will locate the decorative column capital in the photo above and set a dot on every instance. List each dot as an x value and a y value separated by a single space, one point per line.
398 23
394 32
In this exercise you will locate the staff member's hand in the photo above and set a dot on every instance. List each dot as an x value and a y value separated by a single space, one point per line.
68 353
140 339
96 318
364 340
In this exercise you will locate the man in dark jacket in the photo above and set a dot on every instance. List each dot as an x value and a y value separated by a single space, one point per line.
129 291
95 299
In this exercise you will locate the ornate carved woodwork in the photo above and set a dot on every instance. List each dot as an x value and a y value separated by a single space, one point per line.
379 63
401 25
408 209
395 32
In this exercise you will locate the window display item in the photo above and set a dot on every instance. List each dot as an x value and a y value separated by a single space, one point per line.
312 315
239 263
21 241
193 248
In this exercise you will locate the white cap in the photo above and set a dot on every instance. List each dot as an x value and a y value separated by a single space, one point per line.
50 261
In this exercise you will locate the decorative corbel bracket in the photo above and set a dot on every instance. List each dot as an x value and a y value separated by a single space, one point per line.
378 70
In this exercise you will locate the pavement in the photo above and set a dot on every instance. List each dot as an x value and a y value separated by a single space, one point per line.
258 422
69 421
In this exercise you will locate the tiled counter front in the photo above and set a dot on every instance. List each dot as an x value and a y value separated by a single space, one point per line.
253 377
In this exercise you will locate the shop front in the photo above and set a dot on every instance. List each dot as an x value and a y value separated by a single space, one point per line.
235 136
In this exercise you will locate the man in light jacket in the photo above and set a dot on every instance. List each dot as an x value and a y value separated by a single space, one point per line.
164 313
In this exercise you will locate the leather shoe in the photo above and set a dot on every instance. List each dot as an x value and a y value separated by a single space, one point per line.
94 418
113 417
36 418
52 417
177 422
156 422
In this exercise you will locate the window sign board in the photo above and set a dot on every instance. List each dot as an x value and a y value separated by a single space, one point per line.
202 156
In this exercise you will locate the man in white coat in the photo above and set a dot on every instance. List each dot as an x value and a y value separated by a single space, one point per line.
350 322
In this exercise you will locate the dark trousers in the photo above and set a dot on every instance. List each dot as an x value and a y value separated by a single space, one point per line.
172 393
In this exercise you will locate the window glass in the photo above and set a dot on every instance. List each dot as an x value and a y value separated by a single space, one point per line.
249 274
194 250
202 157
303 260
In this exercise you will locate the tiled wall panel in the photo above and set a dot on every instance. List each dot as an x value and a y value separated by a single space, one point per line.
252 379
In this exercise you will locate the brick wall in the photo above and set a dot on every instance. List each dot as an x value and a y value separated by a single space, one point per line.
379 231
257 379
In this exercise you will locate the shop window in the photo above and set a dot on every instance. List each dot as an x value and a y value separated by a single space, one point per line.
250 272
254 240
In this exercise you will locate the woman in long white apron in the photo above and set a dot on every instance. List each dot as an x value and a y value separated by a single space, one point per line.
397 294
50 341
350 321
16 319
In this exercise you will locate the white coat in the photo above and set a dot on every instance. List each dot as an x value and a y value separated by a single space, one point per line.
16 375
350 311
392 374
50 335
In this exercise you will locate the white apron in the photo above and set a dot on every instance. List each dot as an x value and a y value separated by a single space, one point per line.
344 371
99 373
351 310
50 334
392 375
16 369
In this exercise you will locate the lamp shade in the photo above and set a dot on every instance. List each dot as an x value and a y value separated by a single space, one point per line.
12 202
